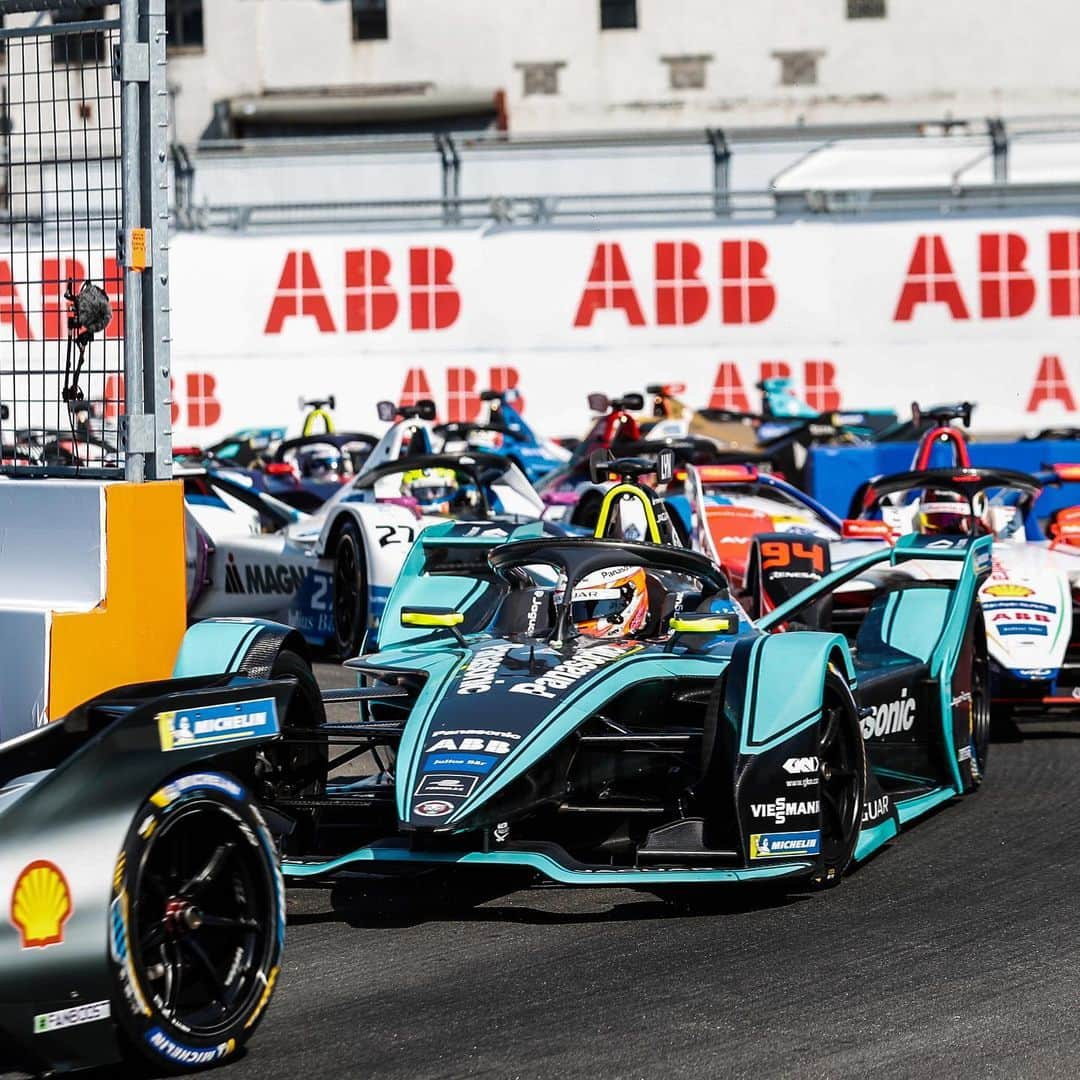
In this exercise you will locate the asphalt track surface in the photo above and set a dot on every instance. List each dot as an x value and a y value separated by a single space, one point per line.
955 952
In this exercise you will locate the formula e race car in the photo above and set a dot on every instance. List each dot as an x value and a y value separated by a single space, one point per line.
601 711
145 912
504 431
1029 599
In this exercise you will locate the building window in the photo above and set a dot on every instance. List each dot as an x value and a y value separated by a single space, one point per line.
799 67
540 78
618 14
686 72
76 48
866 9
184 24
369 20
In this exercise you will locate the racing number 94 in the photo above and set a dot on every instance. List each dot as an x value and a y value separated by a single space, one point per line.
777 554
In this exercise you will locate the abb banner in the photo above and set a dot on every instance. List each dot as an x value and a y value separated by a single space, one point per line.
858 314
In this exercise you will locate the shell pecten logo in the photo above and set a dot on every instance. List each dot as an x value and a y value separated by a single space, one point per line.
1008 589
40 904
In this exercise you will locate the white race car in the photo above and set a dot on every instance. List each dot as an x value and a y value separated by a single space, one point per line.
329 573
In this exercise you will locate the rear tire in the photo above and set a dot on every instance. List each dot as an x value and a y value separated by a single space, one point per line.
350 592
197 924
298 770
843 770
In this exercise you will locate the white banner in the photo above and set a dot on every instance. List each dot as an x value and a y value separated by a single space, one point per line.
859 314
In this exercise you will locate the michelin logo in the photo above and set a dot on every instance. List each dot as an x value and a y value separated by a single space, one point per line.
216 724
784 845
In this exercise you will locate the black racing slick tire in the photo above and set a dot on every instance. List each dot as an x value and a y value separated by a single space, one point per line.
350 592
980 724
196 925
843 777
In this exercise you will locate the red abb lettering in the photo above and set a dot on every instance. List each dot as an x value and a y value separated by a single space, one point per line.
11 306
370 300
746 294
462 397
506 378
434 300
681 297
774 369
819 380
203 407
299 293
55 274
1007 289
728 391
416 387
1051 385
930 280
609 286
1064 273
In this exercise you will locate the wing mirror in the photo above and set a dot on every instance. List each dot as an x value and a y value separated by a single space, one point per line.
703 622
387 411
432 618
598 403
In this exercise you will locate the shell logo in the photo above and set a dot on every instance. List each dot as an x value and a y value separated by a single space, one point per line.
40 905
1008 590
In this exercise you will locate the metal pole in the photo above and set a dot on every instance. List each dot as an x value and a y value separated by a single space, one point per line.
131 218
721 152
999 139
157 366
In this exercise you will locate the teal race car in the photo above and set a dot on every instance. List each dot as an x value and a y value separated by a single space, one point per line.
597 711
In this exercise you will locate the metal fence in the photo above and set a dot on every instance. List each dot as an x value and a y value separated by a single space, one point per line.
83 277
388 181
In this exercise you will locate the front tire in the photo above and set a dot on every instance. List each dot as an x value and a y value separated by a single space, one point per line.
350 592
197 924
843 777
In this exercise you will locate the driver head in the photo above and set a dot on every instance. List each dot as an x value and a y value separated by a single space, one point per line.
320 463
610 603
433 489
944 513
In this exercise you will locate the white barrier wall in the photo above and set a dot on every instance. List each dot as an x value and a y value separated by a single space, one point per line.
860 314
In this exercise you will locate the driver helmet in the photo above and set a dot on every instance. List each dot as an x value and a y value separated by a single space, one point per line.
610 603
320 463
944 513
433 489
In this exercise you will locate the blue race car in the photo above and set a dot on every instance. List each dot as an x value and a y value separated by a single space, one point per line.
504 431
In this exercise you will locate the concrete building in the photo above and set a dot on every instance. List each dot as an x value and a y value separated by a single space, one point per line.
287 67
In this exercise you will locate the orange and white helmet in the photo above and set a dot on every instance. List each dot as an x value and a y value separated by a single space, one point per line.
610 603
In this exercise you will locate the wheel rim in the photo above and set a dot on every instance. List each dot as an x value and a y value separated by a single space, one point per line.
199 920
840 783
346 591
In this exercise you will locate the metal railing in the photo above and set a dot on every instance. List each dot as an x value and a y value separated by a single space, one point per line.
453 155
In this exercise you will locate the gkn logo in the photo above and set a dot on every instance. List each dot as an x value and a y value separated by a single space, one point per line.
891 718
797 766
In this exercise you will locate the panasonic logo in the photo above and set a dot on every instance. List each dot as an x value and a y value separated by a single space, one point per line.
480 672
890 718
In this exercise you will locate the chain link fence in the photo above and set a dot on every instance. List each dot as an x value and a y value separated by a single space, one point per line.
83 347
